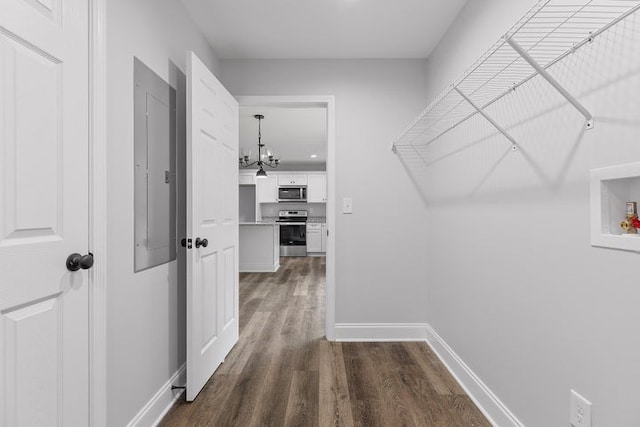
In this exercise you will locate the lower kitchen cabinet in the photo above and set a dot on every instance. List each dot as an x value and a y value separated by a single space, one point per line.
316 237
259 247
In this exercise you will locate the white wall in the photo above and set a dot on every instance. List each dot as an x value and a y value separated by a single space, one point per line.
515 287
380 249
146 324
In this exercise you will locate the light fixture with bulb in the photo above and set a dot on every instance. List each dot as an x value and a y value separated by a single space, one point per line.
271 159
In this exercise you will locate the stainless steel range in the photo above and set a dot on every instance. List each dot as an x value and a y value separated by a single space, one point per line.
293 233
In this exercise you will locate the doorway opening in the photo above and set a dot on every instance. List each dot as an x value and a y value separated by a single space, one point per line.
310 165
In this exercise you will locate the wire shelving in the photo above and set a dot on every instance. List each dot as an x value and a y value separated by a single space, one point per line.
550 31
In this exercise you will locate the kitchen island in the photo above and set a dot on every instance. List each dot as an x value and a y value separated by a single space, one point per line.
259 247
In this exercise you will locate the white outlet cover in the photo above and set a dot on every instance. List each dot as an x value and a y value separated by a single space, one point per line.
580 411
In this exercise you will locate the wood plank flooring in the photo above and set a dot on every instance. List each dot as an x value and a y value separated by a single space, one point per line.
282 372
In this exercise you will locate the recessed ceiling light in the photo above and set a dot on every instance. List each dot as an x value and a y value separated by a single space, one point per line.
313 156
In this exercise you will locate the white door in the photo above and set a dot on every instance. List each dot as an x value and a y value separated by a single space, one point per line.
43 212
212 216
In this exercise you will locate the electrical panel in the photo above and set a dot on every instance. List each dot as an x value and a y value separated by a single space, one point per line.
155 168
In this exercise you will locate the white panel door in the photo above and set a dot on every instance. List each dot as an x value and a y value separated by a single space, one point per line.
212 218
43 212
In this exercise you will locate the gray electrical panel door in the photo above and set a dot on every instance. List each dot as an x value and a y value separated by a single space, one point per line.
155 168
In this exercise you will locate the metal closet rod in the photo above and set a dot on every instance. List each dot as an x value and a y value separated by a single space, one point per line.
540 69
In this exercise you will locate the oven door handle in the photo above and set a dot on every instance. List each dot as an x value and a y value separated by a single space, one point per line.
292 223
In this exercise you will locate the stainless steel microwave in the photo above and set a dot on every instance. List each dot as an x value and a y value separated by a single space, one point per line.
292 194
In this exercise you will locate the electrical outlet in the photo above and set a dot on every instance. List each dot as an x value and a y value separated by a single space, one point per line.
580 411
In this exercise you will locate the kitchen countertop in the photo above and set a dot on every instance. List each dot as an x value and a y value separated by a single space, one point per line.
317 220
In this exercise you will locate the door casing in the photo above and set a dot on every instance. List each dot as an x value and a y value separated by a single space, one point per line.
328 102
97 212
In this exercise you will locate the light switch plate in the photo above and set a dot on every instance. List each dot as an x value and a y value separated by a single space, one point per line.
580 411
347 205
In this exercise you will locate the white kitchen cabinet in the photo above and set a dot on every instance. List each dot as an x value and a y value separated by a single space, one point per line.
259 247
323 234
267 189
292 179
247 178
314 237
317 188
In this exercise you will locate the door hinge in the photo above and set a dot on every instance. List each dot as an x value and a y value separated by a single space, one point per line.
186 243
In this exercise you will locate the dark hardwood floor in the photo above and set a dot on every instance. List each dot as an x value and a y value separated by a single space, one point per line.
283 372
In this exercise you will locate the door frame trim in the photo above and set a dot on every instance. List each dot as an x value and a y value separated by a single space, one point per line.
328 102
98 212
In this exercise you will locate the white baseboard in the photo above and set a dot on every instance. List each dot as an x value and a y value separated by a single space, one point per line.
495 411
156 408
380 332
258 268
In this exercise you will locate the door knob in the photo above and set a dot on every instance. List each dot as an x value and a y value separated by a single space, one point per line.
201 242
76 261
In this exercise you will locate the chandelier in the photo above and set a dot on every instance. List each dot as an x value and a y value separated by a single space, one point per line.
269 155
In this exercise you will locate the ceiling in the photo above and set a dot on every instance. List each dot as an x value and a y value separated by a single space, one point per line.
327 29
293 133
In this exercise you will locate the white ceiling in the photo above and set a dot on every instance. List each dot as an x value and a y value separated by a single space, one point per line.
293 133
344 29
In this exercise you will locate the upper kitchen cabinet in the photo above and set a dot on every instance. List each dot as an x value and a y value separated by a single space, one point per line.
247 178
317 188
290 179
267 189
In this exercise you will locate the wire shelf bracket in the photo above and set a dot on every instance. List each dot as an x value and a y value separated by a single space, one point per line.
553 82
489 119
548 33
